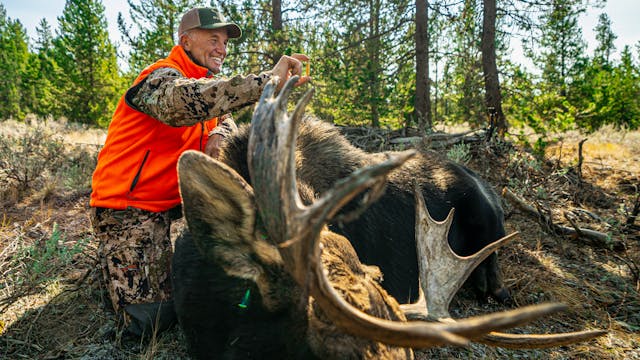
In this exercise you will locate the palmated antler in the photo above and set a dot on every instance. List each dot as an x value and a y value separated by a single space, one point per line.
443 272
296 227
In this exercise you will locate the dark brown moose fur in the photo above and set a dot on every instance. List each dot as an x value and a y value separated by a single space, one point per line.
384 235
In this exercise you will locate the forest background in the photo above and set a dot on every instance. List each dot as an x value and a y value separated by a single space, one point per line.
378 63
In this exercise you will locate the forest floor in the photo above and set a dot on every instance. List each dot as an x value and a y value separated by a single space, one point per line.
52 305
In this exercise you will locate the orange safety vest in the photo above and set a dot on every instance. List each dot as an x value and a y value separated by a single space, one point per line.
137 165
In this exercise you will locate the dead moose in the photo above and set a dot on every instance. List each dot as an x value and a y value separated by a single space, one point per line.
258 274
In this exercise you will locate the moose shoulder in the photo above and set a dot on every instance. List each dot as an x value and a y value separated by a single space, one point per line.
384 234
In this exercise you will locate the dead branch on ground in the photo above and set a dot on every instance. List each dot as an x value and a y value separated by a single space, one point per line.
575 232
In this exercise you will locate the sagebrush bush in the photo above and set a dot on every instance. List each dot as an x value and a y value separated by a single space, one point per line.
77 168
25 158
460 153
35 159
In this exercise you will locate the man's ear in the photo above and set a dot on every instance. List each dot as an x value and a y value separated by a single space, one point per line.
220 211
185 41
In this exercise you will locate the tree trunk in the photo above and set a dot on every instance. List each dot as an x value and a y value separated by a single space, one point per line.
422 103
493 97
374 69
276 14
276 28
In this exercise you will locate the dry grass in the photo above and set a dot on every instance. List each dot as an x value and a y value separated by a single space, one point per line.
72 133
62 312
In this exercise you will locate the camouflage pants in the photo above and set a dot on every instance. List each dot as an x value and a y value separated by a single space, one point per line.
135 252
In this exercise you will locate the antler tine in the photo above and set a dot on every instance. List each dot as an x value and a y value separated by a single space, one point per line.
416 310
273 176
477 326
442 272
538 341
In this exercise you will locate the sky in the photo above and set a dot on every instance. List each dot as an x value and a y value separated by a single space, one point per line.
622 13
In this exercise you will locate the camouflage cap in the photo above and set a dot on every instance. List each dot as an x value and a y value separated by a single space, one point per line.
207 18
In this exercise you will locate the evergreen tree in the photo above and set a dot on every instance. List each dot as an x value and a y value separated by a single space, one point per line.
41 79
422 101
493 95
50 72
88 59
271 28
365 46
605 38
562 47
14 55
611 94
441 48
467 66
153 31
626 97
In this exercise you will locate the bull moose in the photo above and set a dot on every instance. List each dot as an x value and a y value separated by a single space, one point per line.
259 274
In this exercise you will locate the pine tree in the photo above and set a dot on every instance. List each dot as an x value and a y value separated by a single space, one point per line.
562 47
605 38
365 46
46 75
493 94
85 53
422 101
153 31
14 55
467 65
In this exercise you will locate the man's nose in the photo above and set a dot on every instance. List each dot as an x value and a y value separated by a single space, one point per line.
222 49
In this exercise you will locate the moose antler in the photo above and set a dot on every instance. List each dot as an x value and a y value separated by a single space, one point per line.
442 273
295 228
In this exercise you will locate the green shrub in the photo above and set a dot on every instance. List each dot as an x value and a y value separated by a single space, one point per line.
36 264
460 153
25 159
77 168
39 160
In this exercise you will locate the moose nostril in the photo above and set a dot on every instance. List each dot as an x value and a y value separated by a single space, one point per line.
502 296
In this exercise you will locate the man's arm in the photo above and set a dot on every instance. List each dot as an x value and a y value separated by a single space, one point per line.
178 101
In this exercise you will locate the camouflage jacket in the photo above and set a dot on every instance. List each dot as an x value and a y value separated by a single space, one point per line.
171 98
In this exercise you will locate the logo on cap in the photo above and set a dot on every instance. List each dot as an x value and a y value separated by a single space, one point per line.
207 18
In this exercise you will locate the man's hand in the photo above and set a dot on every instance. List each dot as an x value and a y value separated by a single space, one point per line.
217 135
288 66
213 145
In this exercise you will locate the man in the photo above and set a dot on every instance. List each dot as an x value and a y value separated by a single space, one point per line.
174 105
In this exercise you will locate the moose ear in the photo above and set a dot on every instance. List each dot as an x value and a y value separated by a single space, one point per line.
220 211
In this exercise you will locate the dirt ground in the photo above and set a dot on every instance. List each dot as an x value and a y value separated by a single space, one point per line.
60 311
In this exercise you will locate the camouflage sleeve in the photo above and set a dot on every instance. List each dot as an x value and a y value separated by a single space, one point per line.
178 101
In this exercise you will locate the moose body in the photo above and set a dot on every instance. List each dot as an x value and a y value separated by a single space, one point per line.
384 234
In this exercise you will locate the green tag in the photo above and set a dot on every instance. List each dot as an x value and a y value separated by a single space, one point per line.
245 299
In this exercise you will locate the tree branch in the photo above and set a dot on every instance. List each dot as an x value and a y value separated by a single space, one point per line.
575 232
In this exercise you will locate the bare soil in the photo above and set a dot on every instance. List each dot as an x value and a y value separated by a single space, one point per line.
62 313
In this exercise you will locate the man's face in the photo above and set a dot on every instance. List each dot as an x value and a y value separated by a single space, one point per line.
207 46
